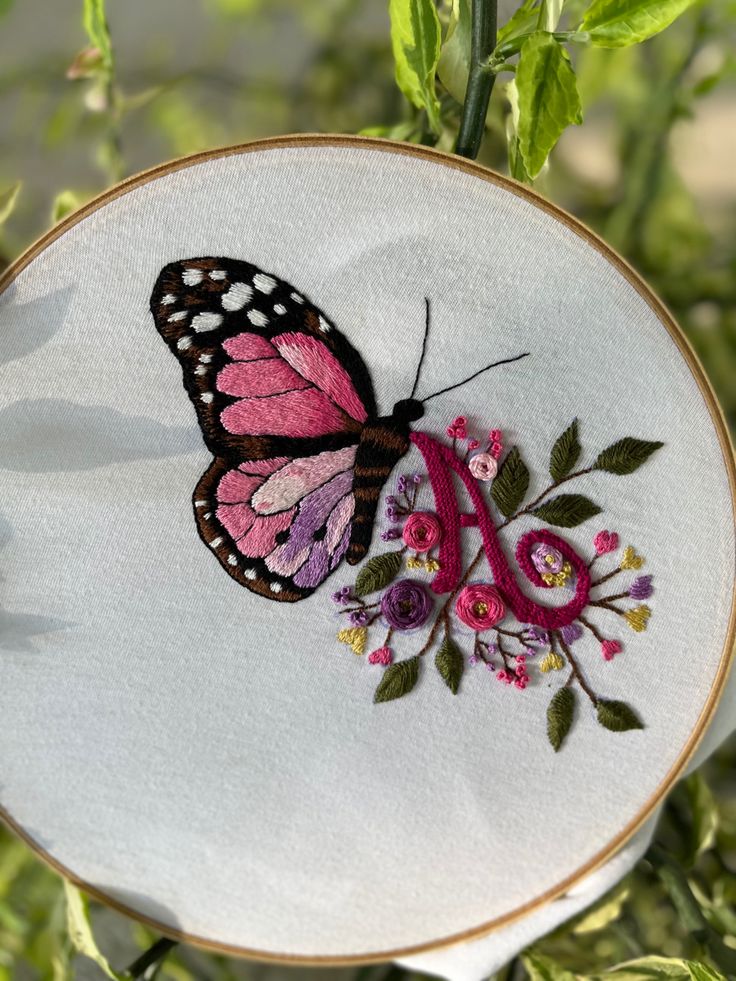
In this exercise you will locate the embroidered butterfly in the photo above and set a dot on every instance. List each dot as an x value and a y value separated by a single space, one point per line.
287 409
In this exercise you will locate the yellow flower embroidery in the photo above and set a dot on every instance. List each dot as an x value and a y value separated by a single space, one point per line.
552 662
432 565
414 563
355 638
558 578
638 617
630 559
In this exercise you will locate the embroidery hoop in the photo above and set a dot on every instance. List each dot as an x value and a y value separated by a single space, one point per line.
715 415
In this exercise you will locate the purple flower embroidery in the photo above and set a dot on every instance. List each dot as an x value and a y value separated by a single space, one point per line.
571 633
641 588
546 558
406 604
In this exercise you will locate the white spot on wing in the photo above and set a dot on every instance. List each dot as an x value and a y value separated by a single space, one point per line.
279 309
206 321
200 504
264 283
297 298
181 315
218 274
275 587
237 296
183 343
257 318
205 358
324 326
207 516
232 559
207 397
167 300
216 541
250 574
192 277
200 370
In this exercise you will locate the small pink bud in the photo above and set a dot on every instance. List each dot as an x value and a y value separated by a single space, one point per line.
610 648
605 541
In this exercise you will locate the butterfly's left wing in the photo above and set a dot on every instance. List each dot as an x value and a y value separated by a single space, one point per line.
282 399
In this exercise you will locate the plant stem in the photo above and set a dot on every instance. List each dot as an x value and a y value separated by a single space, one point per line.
575 668
586 623
480 79
154 955
609 575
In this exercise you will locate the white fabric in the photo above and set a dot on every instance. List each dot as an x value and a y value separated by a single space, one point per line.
215 761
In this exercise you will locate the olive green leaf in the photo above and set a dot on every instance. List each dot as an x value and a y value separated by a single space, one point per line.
397 680
645 968
618 23
79 927
64 203
626 455
8 197
415 38
548 98
608 910
511 484
567 510
559 716
95 24
377 573
450 664
542 968
565 452
521 21
617 716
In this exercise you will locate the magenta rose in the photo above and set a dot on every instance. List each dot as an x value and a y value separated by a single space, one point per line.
422 531
480 606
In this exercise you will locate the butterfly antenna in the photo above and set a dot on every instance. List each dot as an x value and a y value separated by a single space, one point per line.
488 367
424 350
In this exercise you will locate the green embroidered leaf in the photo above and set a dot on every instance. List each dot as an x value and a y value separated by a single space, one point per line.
548 98
511 484
415 38
565 452
377 573
450 664
8 197
95 24
542 968
618 23
398 680
618 716
567 510
625 456
80 929
559 716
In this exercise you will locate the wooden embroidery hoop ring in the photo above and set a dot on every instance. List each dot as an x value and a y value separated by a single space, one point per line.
683 345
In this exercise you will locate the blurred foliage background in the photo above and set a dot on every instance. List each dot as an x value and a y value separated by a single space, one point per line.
651 169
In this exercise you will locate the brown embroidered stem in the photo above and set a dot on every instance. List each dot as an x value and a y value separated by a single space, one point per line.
389 635
607 606
613 596
444 611
593 561
575 668
610 575
592 629
505 655
517 634
537 500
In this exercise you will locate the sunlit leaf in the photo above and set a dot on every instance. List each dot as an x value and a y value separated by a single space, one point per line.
608 910
64 203
8 199
95 24
704 813
617 23
542 968
415 38
453 67
548 98
80 929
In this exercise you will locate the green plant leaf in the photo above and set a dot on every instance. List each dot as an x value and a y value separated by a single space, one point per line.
541 968
559 716
377 573
5 6
618 23
617 716
415 39
626 455
548 98
8 198
80 929
64 203
450 664
522 20
511 483
95 24
607 911
565 452
453 66
644 968
704 814
398 680
566 510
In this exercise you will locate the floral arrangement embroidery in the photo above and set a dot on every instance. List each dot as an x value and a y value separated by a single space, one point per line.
478 617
